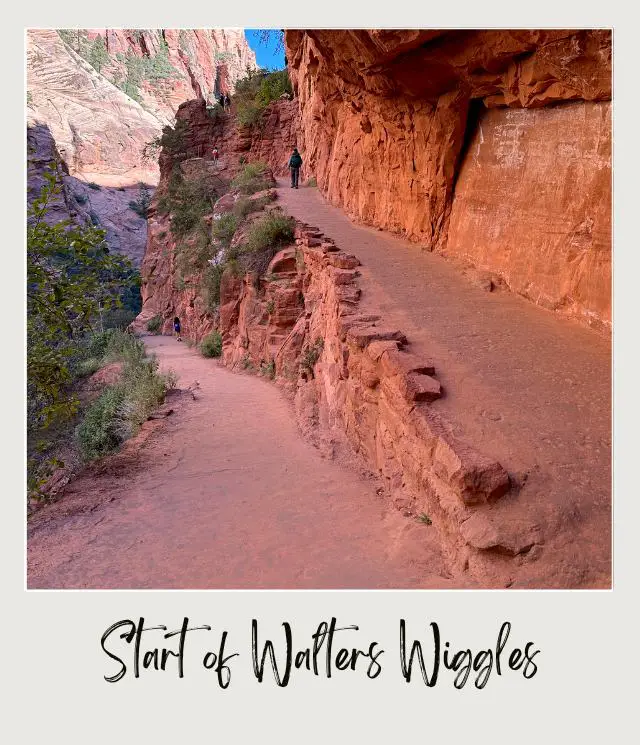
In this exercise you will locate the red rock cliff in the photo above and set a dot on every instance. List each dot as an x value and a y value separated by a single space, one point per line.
491 146
270 142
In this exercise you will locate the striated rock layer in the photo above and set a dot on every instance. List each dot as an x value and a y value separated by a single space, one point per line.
356 381
395 127
106 207
100 131
205 62
270 142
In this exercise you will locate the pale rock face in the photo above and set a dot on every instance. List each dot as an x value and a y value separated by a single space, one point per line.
100 132
388 128
107 206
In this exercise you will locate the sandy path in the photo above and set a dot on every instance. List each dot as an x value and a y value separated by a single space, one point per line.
525 386
226 494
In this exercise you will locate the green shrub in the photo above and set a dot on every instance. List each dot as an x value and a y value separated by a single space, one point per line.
193 251
211 278
87 367
255 91
154 324
268 369
118 318
98 343
245 206
187 201
81 198
225 228
311 355
211 345
273 86
251 179
172 139
215 112
94 186
141 205
100 430
264 239
249 113
242 208
122 408
98 55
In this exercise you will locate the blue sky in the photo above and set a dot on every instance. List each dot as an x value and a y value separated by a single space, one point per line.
266 54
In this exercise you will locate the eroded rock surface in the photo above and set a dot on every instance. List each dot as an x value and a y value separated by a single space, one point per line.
393 129
100 132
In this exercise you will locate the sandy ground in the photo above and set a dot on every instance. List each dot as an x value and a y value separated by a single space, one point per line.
525 386
225 493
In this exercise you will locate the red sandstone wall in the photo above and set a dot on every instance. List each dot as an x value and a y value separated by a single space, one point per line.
384 127
271 142
533 205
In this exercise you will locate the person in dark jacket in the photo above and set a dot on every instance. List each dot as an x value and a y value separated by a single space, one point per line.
227 102
295 161
176 328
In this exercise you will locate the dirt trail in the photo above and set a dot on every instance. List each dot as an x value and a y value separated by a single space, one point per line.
226 494
525 386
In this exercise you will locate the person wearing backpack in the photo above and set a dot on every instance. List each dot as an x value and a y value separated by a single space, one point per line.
295 161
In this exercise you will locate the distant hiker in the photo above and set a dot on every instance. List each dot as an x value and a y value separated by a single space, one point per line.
214 154
176 328
227 101
295 161
221 100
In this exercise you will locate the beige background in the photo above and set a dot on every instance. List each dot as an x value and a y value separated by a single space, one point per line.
54 690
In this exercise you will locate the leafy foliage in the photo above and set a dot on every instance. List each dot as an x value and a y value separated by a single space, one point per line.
154 324
71 278
211 345
255 92
141 205
98 55
251 179
224 229
211 278
264 239
310 356
122 408
188 201
271 36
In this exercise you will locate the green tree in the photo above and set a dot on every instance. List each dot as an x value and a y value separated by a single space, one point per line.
141 204
71 279
98 55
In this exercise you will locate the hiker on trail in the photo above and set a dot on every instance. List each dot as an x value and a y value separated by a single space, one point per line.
176 328
227 102
295 161
214 154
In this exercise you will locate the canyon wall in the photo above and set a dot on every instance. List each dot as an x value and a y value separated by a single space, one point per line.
309 323
164 291
101 119
490 146
201 63
106 207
